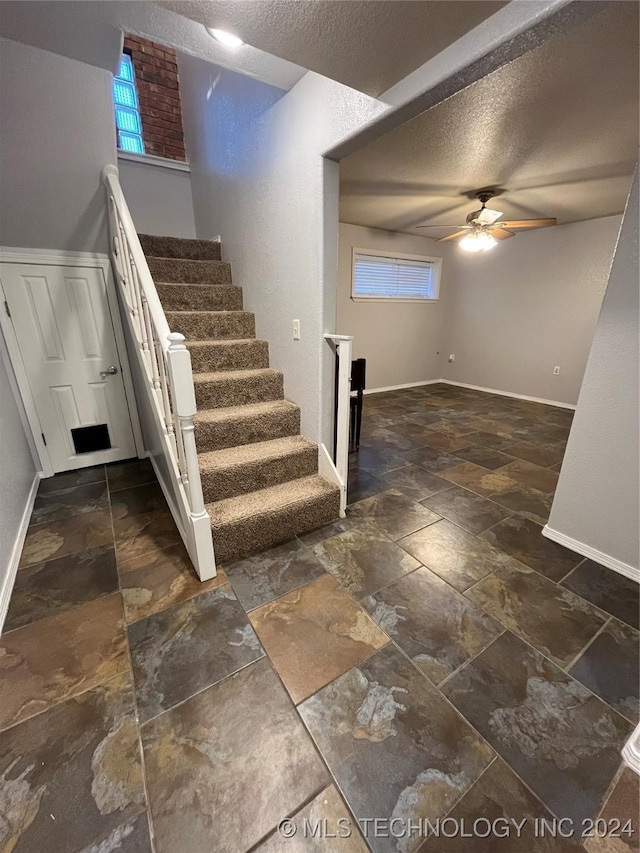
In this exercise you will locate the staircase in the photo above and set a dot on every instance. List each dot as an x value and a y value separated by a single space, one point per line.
259 475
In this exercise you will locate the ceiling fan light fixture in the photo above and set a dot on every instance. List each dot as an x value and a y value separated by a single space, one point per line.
225 38
478 241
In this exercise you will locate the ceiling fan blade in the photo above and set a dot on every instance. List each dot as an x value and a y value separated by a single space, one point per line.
487 216
452 236
501 233
441 226
529 223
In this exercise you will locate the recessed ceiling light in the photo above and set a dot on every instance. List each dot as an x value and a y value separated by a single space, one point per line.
225 38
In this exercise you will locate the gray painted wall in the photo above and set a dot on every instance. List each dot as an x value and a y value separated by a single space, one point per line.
18 471
400 340
596 502
159 198
56 134
528 305
274 200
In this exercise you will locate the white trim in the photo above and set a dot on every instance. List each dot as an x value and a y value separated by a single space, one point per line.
7 585
57 257
400 387
542 400
592 553
328 470
631 750
152 160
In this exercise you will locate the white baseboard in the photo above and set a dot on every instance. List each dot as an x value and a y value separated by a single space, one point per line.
592 553
631 750
7 584
508 394
400 387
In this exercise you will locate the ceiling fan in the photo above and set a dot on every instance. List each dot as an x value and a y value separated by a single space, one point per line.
482 231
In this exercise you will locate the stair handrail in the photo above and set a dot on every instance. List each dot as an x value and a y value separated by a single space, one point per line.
166 362
342 345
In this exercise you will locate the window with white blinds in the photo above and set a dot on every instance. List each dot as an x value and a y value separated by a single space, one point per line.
377 275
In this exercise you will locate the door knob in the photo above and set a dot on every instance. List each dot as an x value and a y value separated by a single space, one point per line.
110 371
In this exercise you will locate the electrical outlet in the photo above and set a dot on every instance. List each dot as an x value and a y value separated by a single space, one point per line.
452 358
296 330
556 370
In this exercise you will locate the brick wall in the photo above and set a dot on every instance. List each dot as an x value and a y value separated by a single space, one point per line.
159 97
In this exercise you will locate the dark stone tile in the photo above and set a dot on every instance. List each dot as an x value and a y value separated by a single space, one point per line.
486 457
72 775
70 536
523 539
451 426
142 521
562 741
458 557
558 623
45 589
156 580
415 482
134 472
527 502
394 513
340 525
362 485
622 807
72 479
490 437
497 799
479 480
364 559
314 634
388 441
435 625
532 476
328 812
227 764
432 459
60 505
466 509
130 837
393 744
49 661
445 442
189 646
607 589
376 462
609 667
262 577
547 456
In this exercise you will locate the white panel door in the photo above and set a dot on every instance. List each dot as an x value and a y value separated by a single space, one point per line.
65 333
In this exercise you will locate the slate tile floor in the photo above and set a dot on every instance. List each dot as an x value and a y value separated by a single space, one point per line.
429 655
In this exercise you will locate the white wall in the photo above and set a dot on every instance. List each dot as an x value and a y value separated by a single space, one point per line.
159 198
18 472
274 200
56 134
528 305
400 340
596 502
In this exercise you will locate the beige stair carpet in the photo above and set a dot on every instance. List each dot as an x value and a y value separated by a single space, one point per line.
259 475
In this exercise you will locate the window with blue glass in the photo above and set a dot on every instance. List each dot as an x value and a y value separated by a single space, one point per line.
125 100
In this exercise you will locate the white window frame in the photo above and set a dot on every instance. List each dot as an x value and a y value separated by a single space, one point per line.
437 264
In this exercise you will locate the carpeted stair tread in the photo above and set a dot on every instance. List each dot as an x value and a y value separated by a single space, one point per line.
238 387
203 297
185 270
247 424
220 355
204 325
179 247
249 467
254 521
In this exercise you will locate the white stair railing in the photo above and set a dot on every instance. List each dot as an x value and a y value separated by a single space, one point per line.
342 344
164 364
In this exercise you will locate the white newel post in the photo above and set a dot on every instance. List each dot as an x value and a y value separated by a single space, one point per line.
344 348
184 405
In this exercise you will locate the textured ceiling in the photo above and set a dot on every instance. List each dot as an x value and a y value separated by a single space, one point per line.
366 45
557 129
